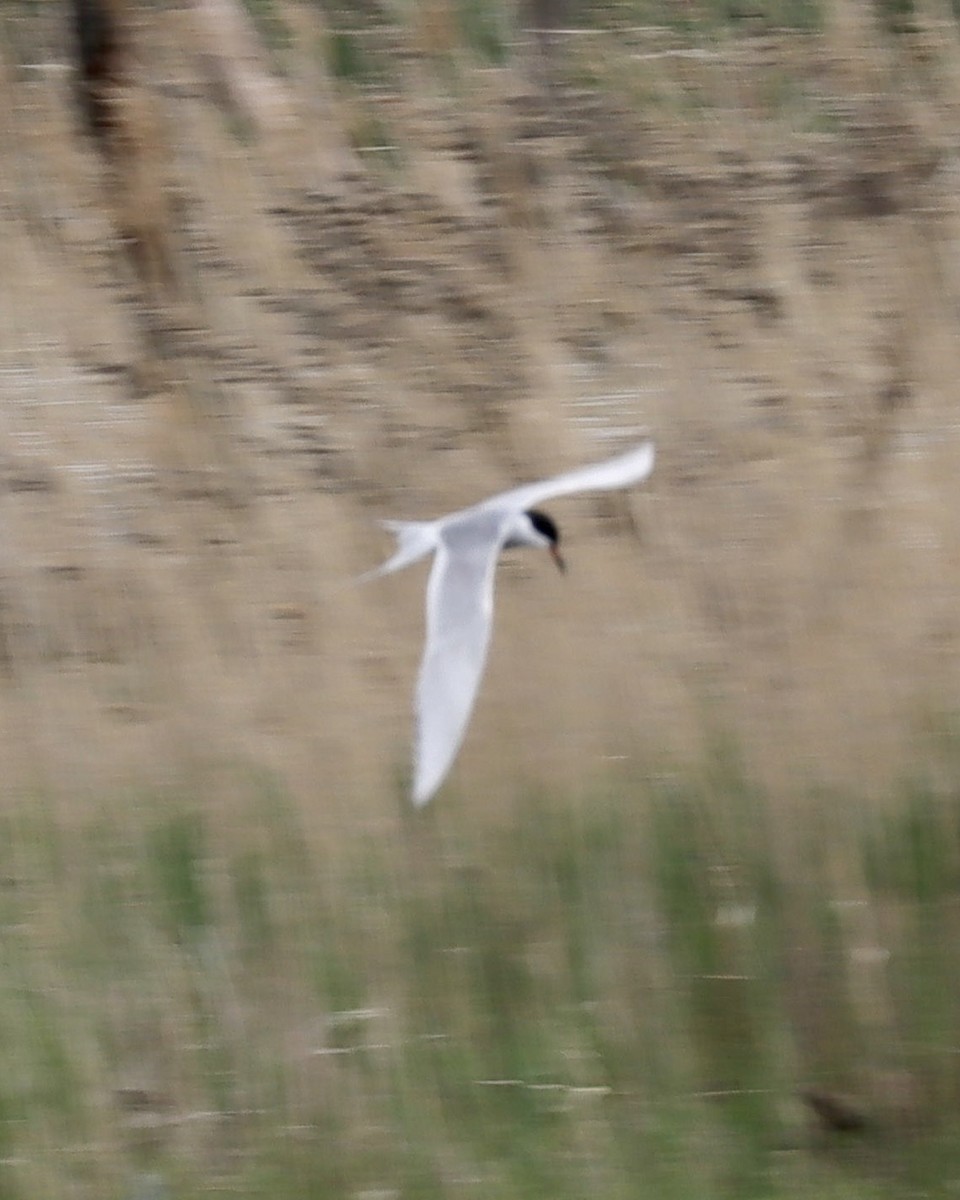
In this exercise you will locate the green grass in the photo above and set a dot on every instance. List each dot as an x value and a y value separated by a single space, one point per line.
702 17
620 995
270 25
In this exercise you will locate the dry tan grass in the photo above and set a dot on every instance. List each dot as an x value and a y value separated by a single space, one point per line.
758 265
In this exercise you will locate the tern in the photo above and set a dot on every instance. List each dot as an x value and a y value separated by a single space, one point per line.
466 546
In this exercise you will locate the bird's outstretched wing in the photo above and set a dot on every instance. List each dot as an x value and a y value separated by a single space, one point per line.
618 472
459 620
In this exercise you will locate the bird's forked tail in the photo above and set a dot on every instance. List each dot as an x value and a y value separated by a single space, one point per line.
415 540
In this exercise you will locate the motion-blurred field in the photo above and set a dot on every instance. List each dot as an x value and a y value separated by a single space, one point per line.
694 878
621 996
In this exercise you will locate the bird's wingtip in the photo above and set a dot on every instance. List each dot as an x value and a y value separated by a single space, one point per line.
425 785
420 796
648 450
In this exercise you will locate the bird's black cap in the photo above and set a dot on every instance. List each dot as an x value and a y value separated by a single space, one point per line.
545 525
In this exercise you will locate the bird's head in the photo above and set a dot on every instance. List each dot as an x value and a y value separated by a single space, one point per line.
547 534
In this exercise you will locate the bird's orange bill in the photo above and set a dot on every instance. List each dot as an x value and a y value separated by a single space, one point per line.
558 559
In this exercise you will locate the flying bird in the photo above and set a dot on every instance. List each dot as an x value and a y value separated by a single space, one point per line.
466 546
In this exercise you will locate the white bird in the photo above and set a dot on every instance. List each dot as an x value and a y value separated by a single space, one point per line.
467 544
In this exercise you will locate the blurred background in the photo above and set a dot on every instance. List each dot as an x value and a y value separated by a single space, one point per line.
684 920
